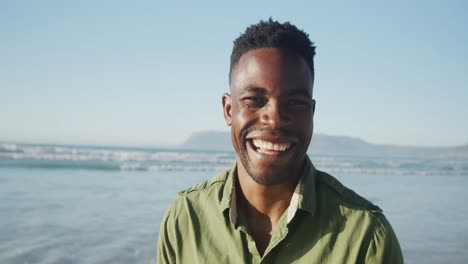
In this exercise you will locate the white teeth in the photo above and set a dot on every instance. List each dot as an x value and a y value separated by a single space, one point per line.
265 145
269 145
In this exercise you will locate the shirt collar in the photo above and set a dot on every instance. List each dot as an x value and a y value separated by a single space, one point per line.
304 196
228 195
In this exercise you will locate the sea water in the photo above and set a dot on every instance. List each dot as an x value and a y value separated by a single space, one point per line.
71 204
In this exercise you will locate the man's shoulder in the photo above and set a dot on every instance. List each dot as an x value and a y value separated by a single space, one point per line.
338 200
206 186
202 195
330 186
341 207
200 201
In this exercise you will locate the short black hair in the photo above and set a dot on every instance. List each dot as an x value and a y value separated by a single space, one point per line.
272 34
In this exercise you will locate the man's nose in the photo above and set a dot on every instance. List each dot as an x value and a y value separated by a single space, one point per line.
275 116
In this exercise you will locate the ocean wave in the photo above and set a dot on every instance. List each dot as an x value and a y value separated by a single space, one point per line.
8 148
132 159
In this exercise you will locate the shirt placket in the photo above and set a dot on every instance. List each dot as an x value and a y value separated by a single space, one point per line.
278 235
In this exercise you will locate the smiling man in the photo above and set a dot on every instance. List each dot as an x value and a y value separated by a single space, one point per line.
273 206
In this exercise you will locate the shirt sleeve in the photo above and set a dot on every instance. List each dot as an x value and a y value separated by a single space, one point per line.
383 246
165 251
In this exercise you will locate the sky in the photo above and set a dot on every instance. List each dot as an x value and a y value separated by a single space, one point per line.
150 73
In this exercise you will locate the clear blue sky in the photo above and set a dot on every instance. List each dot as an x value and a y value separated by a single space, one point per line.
148 73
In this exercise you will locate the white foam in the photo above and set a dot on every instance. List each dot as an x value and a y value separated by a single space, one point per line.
9 147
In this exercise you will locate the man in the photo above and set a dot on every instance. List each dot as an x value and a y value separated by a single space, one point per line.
273 206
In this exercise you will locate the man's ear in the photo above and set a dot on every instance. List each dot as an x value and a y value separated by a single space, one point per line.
314 103
227 105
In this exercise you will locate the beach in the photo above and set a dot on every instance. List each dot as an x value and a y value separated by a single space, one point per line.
102 205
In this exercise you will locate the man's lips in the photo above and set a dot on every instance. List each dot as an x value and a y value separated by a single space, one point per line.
266 147
270 142
263 145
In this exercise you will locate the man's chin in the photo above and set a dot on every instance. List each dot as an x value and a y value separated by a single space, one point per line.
267 180
268 176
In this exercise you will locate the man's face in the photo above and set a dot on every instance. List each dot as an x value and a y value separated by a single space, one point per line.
270 111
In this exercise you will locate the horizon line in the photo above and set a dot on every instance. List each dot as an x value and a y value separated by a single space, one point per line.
179 145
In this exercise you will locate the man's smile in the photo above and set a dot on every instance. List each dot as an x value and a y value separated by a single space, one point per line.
263 148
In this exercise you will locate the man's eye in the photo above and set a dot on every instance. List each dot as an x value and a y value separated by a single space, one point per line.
253 102
294 102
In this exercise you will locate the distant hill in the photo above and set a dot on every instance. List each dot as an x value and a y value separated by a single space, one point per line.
331 145
209 140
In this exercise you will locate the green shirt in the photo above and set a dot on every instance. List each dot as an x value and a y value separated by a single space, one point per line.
325 223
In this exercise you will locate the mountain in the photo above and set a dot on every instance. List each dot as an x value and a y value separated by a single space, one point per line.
331 145
209 140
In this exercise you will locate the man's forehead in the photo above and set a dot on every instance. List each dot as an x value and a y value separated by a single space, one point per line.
268 63
268 55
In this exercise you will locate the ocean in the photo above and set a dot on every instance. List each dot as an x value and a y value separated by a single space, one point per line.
81 204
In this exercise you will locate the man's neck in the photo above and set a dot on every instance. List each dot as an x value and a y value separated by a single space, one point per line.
266 199
271 201
263 205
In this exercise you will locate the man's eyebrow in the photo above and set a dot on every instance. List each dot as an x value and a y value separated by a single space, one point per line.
263 91
257 90
300 92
